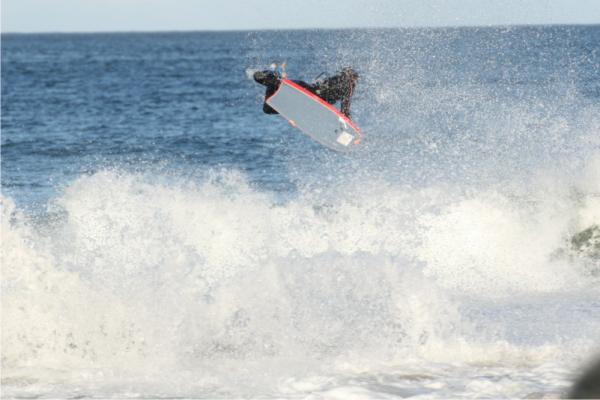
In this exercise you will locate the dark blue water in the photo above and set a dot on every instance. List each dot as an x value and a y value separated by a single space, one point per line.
181 102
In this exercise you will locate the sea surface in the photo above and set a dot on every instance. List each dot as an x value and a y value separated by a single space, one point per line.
163 238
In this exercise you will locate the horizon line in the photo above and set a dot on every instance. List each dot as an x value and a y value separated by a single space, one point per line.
143 31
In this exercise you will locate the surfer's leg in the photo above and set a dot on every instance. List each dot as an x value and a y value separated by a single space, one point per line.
266 78
271 81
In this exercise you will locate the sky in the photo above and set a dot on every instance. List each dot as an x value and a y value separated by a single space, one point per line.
185 15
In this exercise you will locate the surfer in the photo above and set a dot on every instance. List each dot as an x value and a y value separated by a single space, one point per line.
332 89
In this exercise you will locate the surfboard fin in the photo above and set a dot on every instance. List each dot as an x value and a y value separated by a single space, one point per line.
283 73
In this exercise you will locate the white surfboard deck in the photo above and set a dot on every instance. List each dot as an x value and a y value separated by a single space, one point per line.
315 117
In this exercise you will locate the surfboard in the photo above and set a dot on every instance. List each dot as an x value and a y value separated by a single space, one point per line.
315 117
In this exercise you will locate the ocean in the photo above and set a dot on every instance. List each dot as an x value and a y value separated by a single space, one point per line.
163 238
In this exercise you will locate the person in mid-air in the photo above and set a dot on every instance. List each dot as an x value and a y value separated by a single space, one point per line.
332 89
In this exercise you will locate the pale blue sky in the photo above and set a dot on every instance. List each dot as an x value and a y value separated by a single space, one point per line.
160 15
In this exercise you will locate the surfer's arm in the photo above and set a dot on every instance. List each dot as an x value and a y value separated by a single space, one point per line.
346 99
346 106
267 109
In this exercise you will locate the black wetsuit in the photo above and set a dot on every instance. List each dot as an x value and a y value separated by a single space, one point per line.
332 89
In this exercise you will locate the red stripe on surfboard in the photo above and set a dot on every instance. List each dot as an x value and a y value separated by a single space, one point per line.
320 100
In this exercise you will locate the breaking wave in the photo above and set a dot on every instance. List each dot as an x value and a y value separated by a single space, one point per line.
148 283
